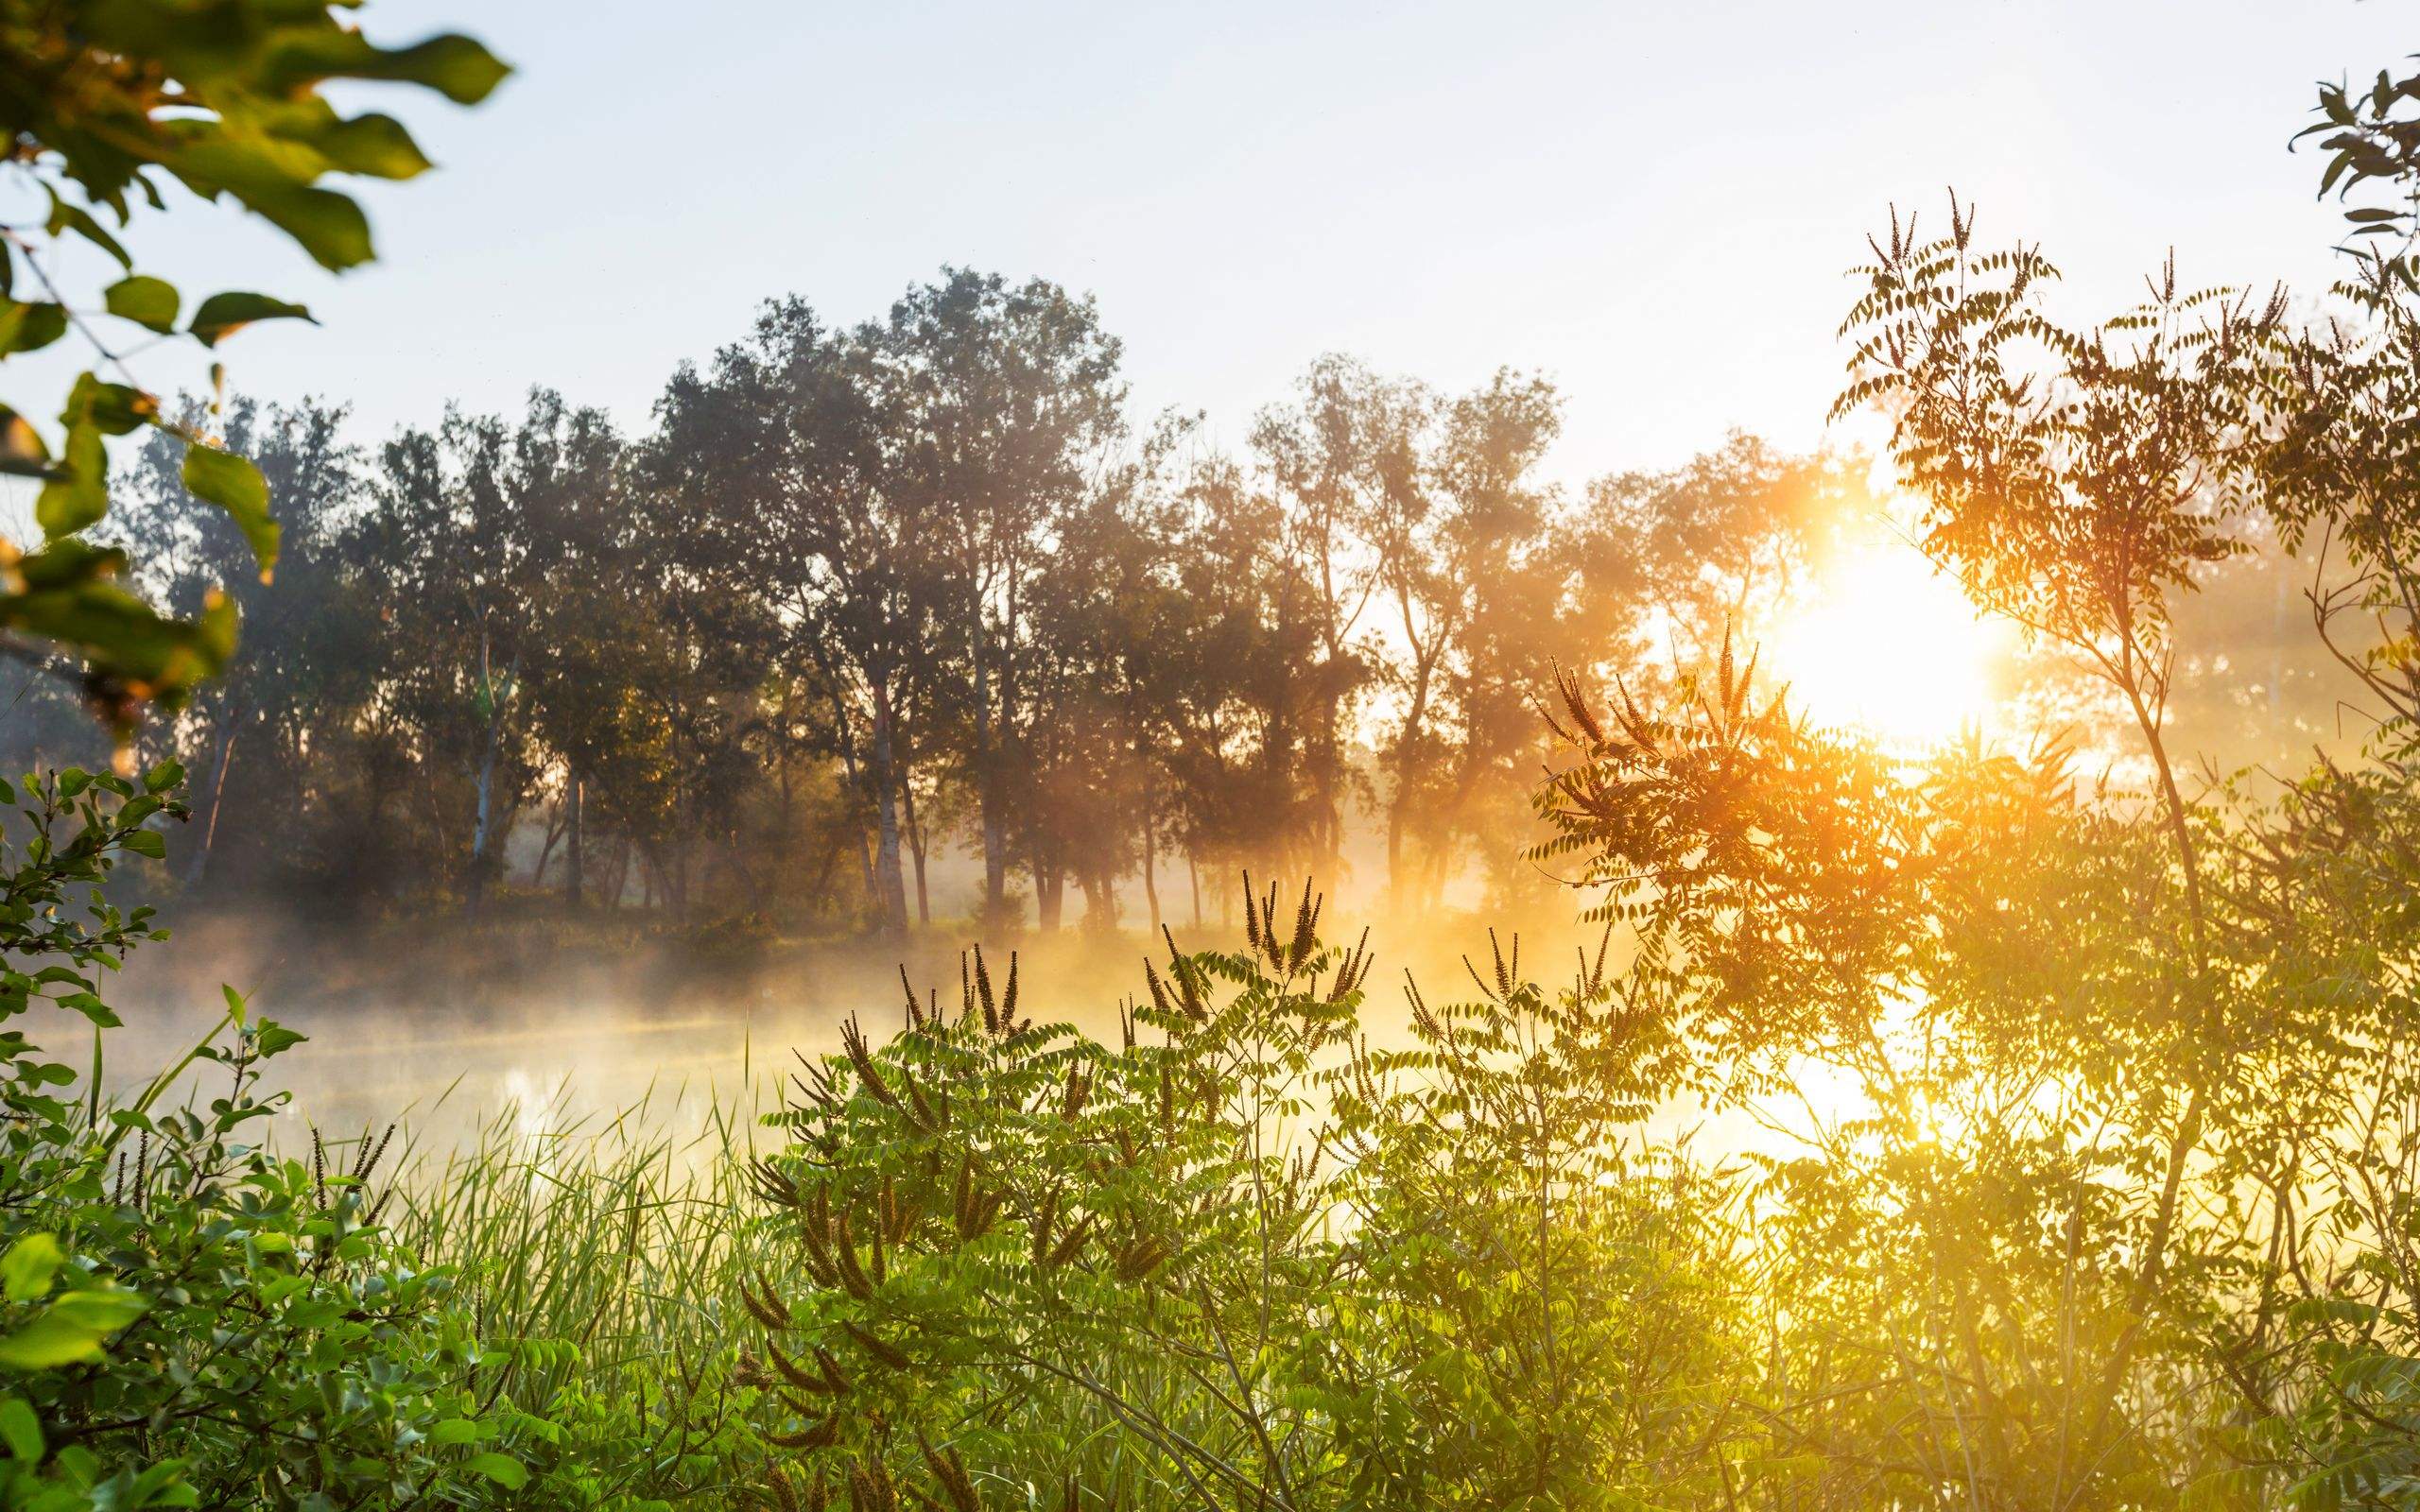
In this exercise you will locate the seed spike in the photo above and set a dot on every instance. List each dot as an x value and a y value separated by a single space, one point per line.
1305 925
983 994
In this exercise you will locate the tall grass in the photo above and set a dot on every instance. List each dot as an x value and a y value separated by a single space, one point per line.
598 1255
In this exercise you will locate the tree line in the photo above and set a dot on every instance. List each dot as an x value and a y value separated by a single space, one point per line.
865 593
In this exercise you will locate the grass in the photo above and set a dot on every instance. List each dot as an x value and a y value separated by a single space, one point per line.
598 1257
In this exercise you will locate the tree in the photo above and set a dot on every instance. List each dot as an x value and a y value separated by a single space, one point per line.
1343 461
1008 404
308 663
789 447
1480 596
454 543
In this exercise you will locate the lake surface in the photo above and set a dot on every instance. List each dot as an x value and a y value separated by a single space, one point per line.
444 1031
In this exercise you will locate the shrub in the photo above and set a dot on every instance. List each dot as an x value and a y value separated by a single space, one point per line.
191 1320
1240 1257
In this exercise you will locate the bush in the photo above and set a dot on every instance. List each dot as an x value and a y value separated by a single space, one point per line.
1254 1264
189 1320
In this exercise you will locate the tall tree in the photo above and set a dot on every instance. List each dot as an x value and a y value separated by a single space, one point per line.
788 445
1009 408
1342 459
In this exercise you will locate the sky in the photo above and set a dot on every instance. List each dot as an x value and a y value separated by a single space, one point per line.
1654 204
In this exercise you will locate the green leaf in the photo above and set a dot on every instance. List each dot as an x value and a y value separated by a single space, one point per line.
323 223
275 1037
20 1430
77 491
29 327
70 1330
456 1430
66 218
26 1270
222 314
104 1308
92 1008
150 303
503 1469
71 600
234 485
376 146
272 179
455 66
163 777
116 409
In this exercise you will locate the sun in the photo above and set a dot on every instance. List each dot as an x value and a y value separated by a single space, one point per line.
1886 644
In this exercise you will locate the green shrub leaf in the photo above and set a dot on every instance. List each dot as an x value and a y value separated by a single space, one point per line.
19 1430
501 1468
26 1269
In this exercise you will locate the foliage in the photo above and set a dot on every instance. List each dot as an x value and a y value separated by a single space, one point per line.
190 1319
2068 1126
1255 1262
600 1265
105 103
193 1321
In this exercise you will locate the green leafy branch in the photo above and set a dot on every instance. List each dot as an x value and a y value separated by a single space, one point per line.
104 102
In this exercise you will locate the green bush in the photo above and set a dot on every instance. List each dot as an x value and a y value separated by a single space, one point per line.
191 1320
1241 1259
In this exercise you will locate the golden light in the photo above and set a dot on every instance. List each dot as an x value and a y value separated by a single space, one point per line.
1886 644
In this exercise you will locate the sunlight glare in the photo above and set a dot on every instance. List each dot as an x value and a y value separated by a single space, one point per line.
1888 645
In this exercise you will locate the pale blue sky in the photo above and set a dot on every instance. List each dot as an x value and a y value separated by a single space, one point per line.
1653 202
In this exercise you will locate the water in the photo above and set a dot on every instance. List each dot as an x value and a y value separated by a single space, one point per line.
443 1029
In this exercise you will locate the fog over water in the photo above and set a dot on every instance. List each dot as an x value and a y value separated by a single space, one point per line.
444 1028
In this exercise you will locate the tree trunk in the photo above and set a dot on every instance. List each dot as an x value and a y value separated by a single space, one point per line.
573 856
1193 875
1150 882
621 874
546 851
1397 893
1050 893
201 862
865 867
1101 901
996 857
481 828
987 776
856 783
915 844
894 896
